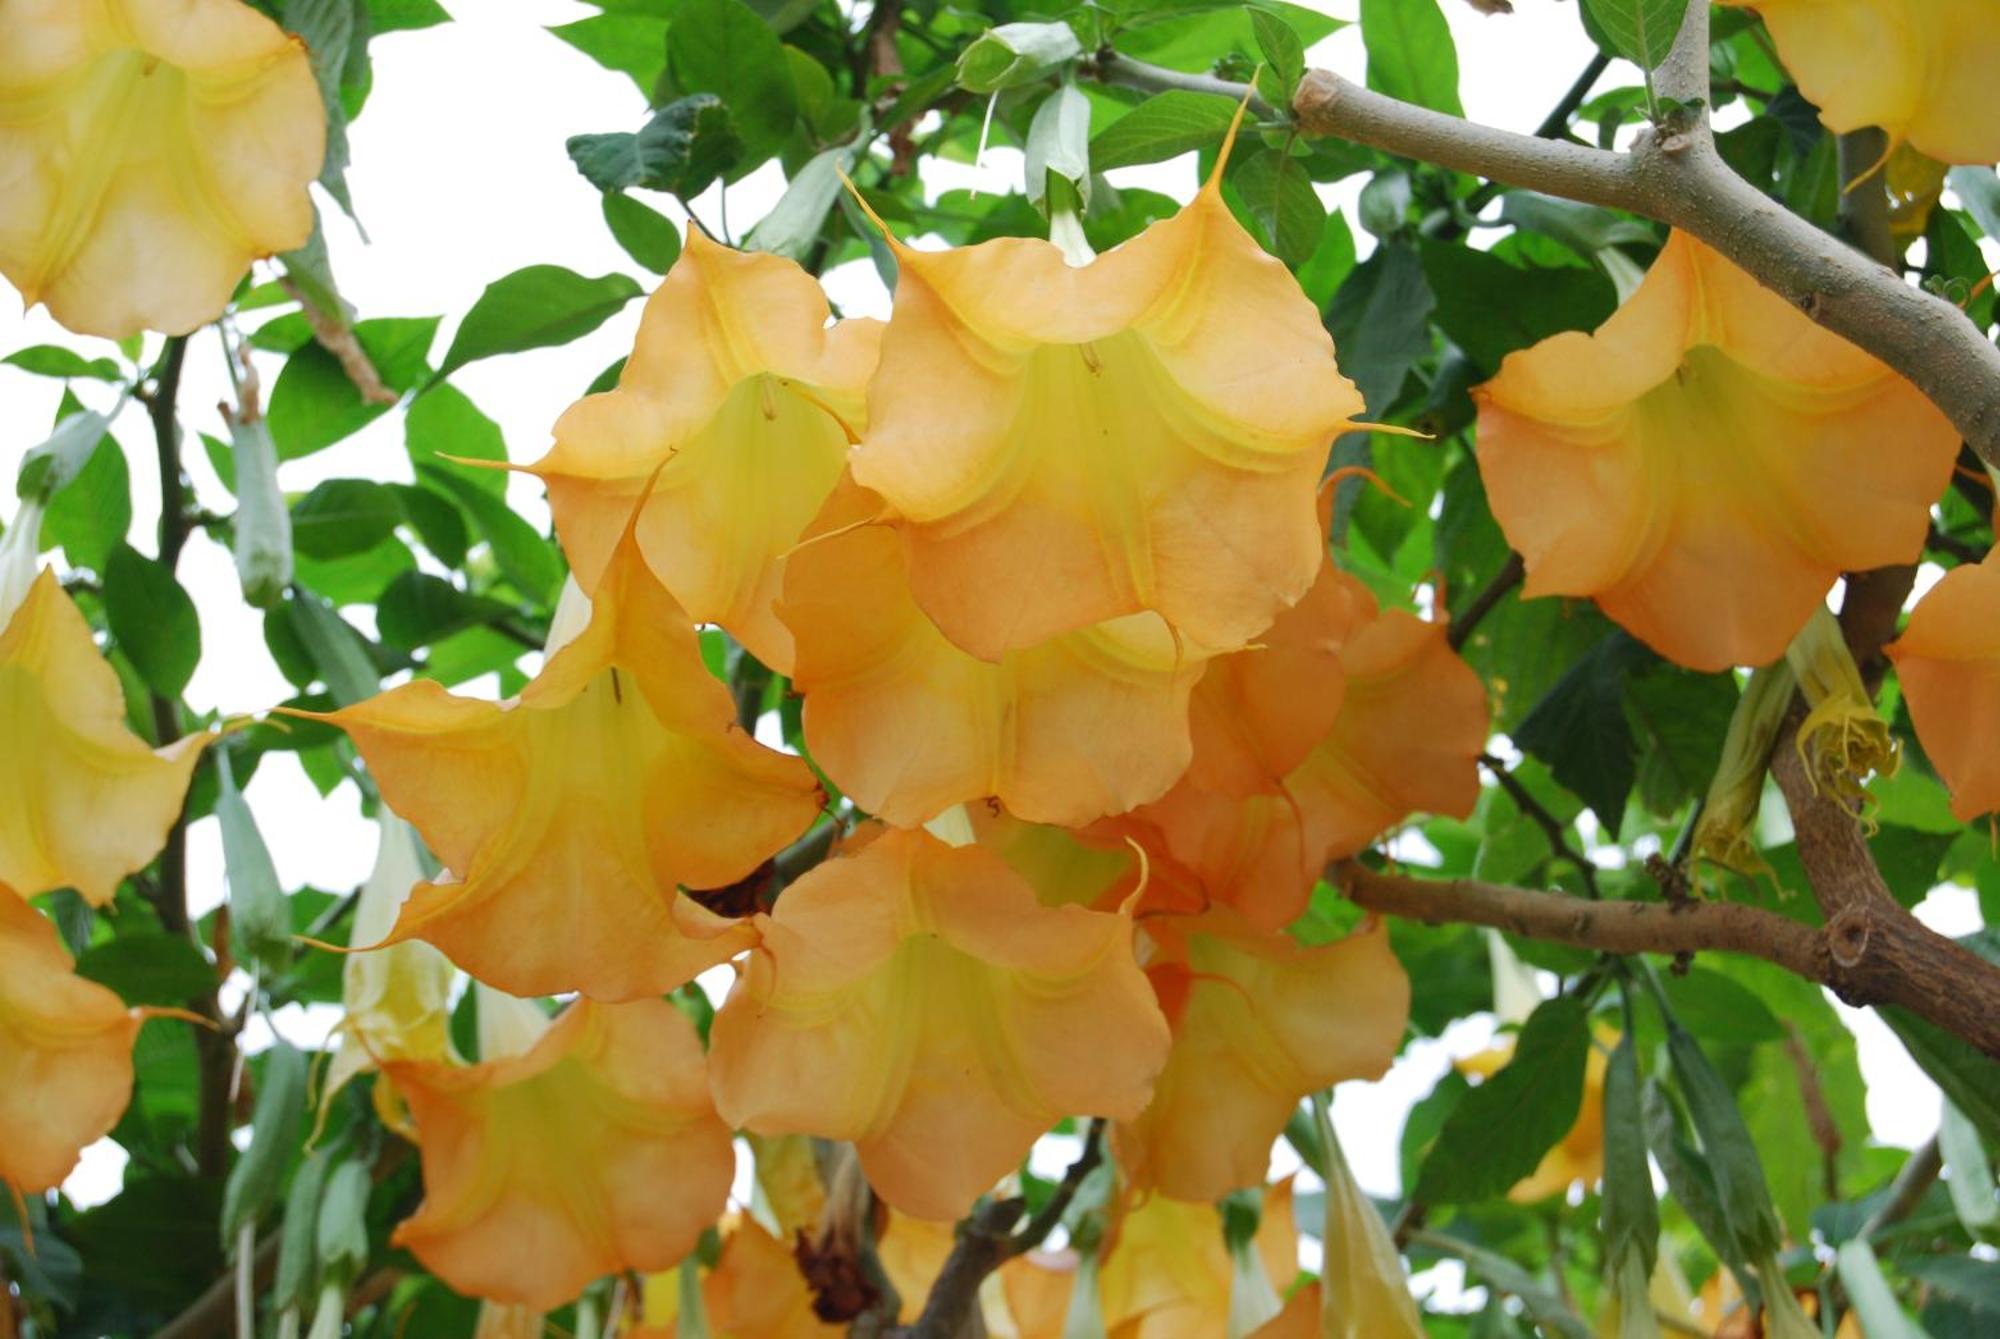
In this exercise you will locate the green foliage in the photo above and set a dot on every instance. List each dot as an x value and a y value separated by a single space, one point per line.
153 620
1500 1130
534 308
1411 54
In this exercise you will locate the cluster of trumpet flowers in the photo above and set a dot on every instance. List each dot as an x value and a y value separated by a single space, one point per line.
1088 705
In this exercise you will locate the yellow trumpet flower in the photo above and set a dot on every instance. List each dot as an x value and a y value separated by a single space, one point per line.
151 149
574 812
83 800
743 402
1948 662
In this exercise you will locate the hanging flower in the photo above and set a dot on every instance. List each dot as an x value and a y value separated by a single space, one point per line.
1920 69
1579 1154
1948 662
1258 1023
83 800
1065 445
1707 463
755 1291
1088 723
594 1151
914 998
152 149
572 812
743 401
65 1054
1364 1291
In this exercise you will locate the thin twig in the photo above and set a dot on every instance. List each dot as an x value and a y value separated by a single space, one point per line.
1907 1191
1468 620
1552 827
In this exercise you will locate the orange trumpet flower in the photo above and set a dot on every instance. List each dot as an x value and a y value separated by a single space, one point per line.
1707 463
65 1053
83 800
572 813
594 1151
1065 445
742 401
1086 724
1258 1023
151 149
914 998
1948 662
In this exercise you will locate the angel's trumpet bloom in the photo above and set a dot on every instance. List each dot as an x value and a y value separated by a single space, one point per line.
755 1291
1064 445
151 149
594 1152
397 999
914 998
1948 662
1408 726
572 812
1164 1271
743 401
1708 462
83 800
1258 1022
1089 723
1364 1291
65 1053
1920 69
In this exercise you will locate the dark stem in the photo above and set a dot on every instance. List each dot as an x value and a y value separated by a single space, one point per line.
1907 1191
1467 622
1552 827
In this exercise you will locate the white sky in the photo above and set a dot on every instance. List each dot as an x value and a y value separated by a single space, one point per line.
460 175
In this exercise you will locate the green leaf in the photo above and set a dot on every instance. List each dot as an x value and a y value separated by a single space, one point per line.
93 512
313 404
343 516
444 422
1163 126
337 650
418 609
343 1220
535 308
1979 189
148 968
684 148
1491 308
1411 54
1388 298
1974 1282
153 620
1642 31
50 360
526 558
155 1243
1680 719
1282 50
328 29
437 521
648 236
1688 1176
1741 1190
1710 1004
723 47
1288 211
1545 1306
260 925
1500 1130
297 1244
1580 729
48 468
389 16
794 223
630 44
1969 1172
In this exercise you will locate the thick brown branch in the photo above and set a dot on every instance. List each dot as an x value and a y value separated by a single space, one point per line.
1867 957
1676 178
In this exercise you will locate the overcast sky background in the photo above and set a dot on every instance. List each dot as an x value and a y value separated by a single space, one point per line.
460 175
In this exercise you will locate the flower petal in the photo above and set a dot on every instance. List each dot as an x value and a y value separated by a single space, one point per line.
149 151
83 801
595 1153
1069 445
65 1053
914 998
1091 722
1948 663
744 402
573 814
1707 463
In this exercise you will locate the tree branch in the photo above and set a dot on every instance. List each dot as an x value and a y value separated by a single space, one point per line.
1484 603
1865 958
1554 830
1676 178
